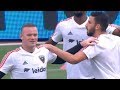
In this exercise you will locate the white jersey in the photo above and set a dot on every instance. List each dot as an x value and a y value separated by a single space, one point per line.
24 65
105 57
72 33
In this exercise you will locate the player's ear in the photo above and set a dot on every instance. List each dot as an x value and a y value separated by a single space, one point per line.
97 26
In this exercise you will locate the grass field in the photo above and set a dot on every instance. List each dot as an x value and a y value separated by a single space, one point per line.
53 69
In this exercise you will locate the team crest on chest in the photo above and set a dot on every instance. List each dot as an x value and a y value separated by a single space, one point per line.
42 58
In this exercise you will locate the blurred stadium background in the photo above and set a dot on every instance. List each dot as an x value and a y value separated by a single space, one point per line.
12 21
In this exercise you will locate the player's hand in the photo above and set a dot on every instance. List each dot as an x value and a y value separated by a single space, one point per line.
89 42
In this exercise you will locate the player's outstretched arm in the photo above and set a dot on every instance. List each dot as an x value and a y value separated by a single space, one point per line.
73 50
1 74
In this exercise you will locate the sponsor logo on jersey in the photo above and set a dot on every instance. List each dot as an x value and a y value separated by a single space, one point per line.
42 58
71 40
38 70
26 69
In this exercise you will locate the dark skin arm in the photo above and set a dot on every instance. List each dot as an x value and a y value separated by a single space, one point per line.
72 51
90 41
112 17
116 32
58 60
50 41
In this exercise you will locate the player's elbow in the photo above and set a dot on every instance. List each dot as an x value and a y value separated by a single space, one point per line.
74 60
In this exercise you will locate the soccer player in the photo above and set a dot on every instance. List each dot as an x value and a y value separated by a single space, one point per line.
72 31
104 56
28 61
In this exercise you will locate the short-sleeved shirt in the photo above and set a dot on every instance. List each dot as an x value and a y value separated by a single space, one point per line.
72 33
105 57
24 65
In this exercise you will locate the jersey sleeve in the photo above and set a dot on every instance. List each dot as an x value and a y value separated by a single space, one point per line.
57 35
110 29
51 57
92 51
6 63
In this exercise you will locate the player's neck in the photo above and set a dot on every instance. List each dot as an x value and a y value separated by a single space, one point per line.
80 20
98 33
29 49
